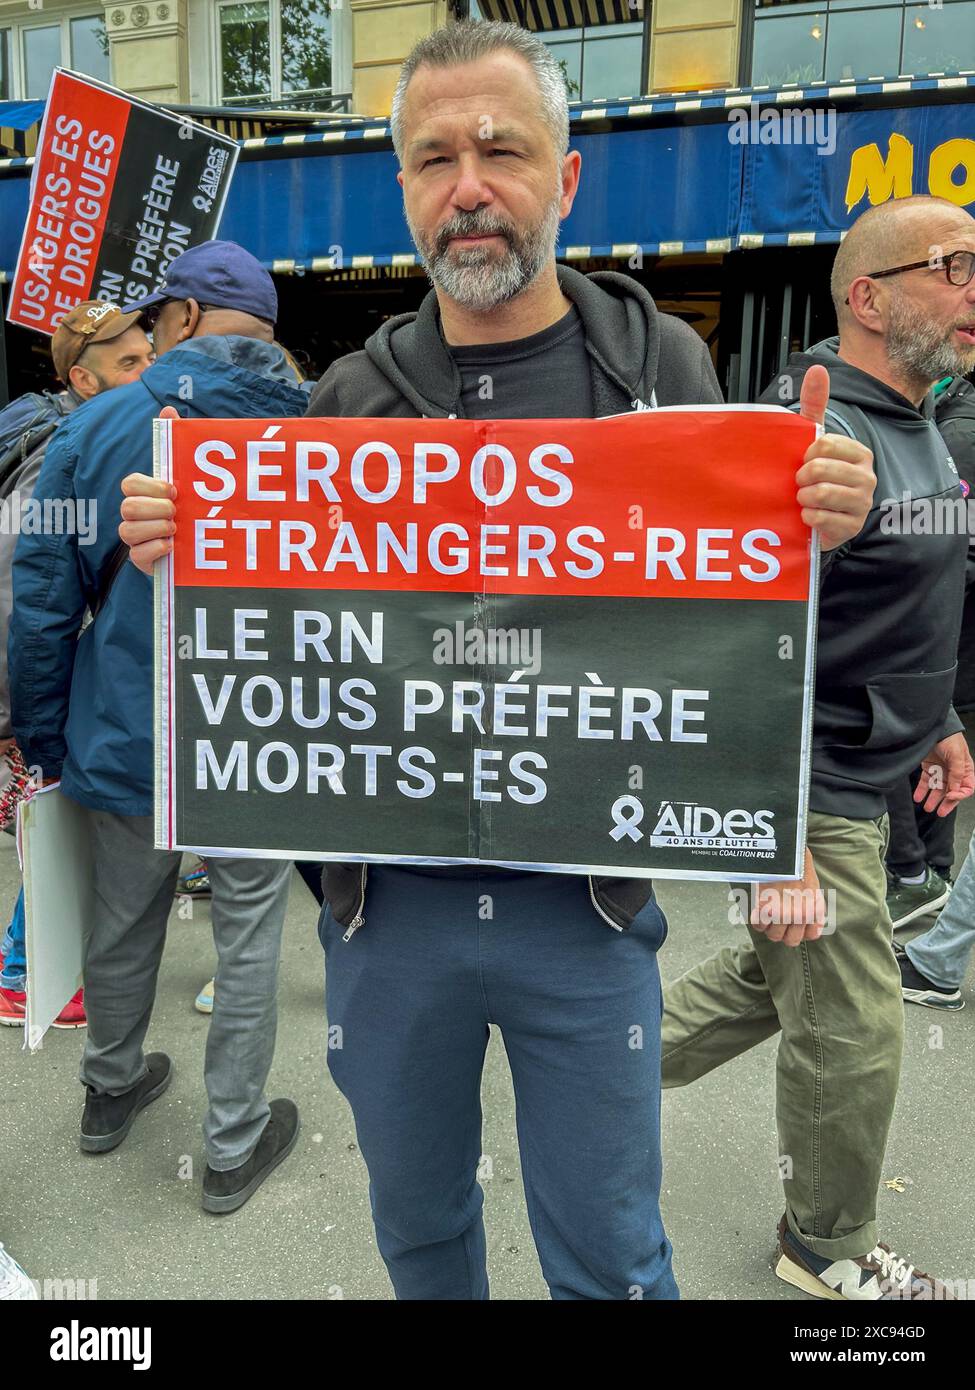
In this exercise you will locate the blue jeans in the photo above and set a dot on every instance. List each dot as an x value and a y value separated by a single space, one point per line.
942 953
14 947
578 1006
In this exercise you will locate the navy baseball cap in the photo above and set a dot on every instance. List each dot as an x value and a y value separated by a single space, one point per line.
219 273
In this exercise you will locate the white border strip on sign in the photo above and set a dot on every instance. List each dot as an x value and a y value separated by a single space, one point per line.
357 857
808 702
163 654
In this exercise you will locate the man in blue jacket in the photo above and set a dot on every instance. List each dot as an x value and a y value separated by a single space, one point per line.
83 713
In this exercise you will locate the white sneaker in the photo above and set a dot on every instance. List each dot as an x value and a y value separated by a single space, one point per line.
203 1003
14 1283
879 1275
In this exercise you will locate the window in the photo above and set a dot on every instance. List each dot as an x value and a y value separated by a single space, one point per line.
245 52
283 52
837 40
42 54
598 60
6 86
939 40
89 46
29 53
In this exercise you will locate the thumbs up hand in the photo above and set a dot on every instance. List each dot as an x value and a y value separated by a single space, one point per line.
836 480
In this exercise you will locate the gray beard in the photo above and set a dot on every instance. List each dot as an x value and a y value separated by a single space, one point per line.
480 279
921 349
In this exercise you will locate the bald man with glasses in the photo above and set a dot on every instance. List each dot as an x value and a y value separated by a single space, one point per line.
890 607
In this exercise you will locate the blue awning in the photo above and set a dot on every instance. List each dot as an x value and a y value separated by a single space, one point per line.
662 175
347 206
20 115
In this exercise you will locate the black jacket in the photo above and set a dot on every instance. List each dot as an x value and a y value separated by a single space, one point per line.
890 600
638 357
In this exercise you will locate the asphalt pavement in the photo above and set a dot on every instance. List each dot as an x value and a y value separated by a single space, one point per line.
129 1224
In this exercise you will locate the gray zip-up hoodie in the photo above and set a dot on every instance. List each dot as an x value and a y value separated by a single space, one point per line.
638 358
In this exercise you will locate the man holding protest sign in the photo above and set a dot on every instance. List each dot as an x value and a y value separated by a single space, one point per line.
480 125
889 618
83 712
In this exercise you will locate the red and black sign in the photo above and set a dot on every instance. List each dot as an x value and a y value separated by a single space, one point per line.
119 190
571 645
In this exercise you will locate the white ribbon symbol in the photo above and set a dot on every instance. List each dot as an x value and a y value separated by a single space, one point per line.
627 813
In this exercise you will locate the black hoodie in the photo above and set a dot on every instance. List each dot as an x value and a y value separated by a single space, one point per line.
890 600
638 358
636 355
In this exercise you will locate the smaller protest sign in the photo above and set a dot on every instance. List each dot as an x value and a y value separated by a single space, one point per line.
119 190
59 903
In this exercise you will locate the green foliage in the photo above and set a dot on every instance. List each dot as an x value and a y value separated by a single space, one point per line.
306 47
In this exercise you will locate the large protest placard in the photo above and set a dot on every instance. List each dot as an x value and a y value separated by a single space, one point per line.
119 189
563 644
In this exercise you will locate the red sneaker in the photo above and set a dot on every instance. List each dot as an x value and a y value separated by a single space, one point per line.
13 1008
73 1014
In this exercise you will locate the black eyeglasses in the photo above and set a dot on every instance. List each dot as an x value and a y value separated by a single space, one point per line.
150 316
958 266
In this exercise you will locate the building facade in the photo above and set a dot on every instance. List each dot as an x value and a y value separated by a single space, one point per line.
735 237
345 54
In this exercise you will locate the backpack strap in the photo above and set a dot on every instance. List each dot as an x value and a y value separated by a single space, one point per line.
19 453
115 565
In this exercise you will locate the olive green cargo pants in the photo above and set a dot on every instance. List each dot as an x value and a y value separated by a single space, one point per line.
838 1004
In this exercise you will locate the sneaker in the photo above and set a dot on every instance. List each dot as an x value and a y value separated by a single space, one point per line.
196 883
879 1275
905 901
13 1007
108 1119
73 1014
14 1283
226 1191
13 1010
203 1003
918 989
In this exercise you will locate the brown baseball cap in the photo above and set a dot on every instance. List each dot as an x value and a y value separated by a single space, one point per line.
94 321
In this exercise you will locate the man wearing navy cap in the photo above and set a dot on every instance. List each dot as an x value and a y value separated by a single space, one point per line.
211 289
83 714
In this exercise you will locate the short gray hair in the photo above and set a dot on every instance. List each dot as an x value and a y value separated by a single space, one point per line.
470 40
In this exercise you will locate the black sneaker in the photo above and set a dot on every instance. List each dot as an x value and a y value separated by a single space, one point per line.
918 989
226 1191
108 1119
905 901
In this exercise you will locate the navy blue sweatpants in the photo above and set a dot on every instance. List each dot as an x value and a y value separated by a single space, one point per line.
578 1006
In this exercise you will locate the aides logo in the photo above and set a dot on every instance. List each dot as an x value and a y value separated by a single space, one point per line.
688 825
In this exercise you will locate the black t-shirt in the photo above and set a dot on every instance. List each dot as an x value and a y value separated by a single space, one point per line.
545 376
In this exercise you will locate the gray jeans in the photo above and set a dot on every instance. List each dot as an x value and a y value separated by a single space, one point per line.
942 954
134 886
